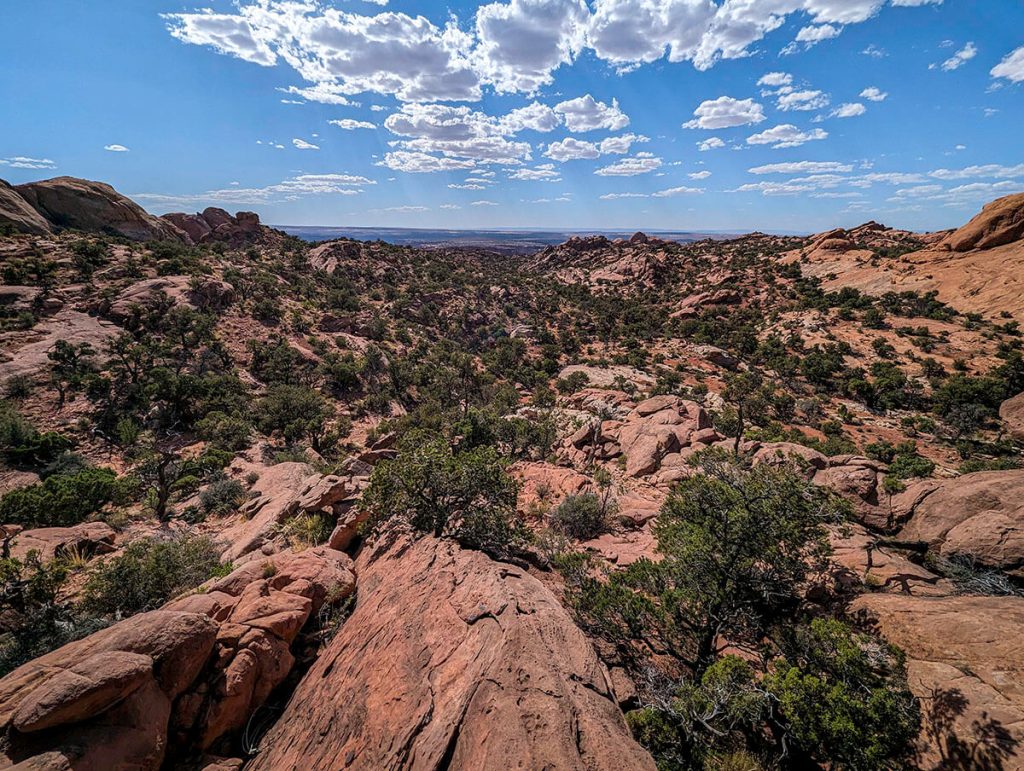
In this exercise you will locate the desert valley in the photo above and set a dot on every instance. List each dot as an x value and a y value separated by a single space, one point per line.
744 503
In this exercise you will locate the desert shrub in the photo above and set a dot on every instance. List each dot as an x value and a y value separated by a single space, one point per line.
466 496
582 516
59 500
22 445
843 697
149 572
306 530
222 496
295 411
572 382
226 432
36 621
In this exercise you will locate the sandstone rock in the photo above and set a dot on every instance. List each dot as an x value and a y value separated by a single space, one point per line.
441 643
966 665
67 202
1012 413
16 212
623 549
979 515
83 690
862 562
999 222
208 294
329 256
104 701
778 453
547 483
215 224
70 325
85 539
606 377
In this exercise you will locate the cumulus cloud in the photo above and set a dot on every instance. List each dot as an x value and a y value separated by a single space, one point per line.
849 110
641 163
989 170
544 173
24 162
419 163
302 144
535 117
483 203
725 112
775 79
960 58
700 174
1011 67
873 94
815 34
572 149
587 114
674 191
325 93
628 32
115 148
802 100
712 143
520 43
786 135
350 124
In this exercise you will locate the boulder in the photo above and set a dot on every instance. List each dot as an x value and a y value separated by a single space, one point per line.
980 516
966 665
329 256
214 224
1000 222
778 453
1012 413
85 539
67 202
70 325
546 483
452 660
104 701
16 212
208 293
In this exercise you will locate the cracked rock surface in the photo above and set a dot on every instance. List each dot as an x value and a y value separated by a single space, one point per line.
453 660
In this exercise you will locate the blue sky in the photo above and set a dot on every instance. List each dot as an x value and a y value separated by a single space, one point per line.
792 115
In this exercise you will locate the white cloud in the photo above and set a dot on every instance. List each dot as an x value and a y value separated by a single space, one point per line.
535 117
24 162
724 112
405 208
786 135
545 173
350 124
116 148
587 114
989 170
960 58
468 186
802 100
325 93
712 143
812 35
483 203
803 167
572 149
520 43
341 53
417 162
849 110
460 132
641 163
699 174
449 206
873 94
632 31
674 191
616 196
289 190
775 79
302 144
1011 67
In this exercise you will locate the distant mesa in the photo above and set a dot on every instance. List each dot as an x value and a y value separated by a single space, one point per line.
50 205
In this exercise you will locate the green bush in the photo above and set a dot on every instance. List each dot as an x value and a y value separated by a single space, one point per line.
843 697
582 516
149 572
60 500
24 446
222 496
466 496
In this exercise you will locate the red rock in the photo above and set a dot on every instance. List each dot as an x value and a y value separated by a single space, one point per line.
85 539
452 660
83 690
1012 413
979 515
1000 222
16 212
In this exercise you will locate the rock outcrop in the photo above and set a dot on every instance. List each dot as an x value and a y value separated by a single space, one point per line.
16 212
452 660
328 257
172 680
205 294
83 540
68 202
1000 222
966 665
213 224
1012 413
979 516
